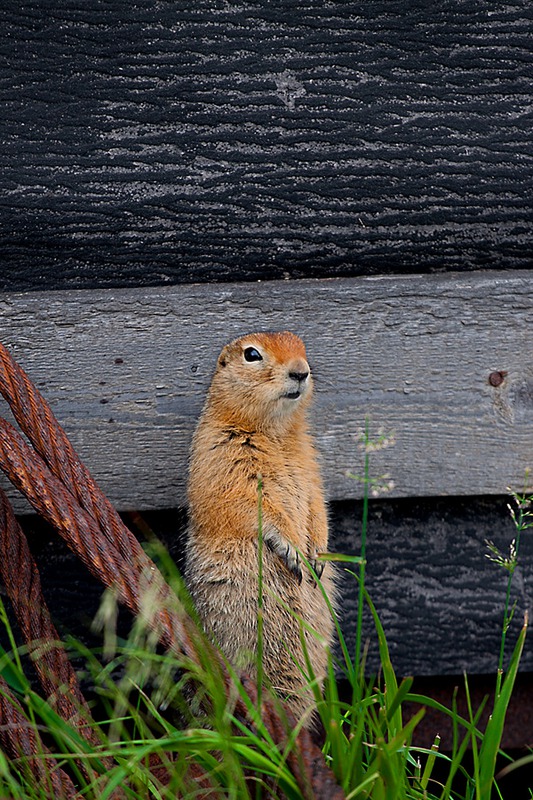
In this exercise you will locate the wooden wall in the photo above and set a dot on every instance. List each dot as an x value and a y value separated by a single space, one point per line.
370 164
126 372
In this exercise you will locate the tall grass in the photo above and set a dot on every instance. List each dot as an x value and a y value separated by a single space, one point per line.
162 738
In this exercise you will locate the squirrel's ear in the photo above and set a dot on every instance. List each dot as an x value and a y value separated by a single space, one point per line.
223 357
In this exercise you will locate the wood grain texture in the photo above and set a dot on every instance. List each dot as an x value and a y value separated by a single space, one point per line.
126 372
439 599
159 142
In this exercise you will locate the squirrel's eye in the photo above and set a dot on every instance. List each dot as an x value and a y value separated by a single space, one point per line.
251 354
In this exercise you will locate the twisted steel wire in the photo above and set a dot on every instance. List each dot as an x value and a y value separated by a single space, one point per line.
37 420
19 740
61 489
28 472
23 585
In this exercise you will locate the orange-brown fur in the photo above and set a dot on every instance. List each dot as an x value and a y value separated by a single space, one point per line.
250 427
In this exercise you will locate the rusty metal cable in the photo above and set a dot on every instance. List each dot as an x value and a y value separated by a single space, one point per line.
46 493
38 422
23 585
21 743
60 488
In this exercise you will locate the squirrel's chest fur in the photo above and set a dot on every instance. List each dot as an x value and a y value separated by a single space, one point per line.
228 466
222 572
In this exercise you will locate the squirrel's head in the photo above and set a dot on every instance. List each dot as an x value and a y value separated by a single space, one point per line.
262 378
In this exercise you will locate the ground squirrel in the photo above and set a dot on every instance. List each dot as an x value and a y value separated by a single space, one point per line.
254 423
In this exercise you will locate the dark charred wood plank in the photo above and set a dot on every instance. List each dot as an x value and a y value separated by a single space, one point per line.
155 143
439 599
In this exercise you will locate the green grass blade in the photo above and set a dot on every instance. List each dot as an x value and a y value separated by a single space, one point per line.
348 665
459 749
494 730
12 674
399 698
430 763
394 714
475 750
525 761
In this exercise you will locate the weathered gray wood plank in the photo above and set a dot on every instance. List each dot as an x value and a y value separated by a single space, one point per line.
126 371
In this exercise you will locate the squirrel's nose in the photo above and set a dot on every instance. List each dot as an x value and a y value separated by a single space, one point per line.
299 376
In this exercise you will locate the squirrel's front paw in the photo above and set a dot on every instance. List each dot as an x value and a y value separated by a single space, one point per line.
318 567
284 549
